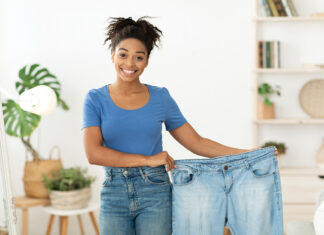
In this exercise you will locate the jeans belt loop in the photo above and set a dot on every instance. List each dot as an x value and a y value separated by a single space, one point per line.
142 173
198 169
108 174
247 164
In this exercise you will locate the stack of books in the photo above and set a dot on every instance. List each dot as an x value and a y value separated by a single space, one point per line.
269 54
279 8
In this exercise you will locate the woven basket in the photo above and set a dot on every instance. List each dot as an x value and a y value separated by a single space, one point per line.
311 98
70 200
33 180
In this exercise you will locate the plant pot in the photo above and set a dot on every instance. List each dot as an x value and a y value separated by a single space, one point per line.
33 171
70 200
265 111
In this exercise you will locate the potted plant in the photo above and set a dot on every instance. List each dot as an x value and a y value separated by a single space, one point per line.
21 124
266 109
69 188
281 147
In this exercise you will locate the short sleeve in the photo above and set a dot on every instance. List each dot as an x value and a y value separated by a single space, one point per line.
91 112
173 116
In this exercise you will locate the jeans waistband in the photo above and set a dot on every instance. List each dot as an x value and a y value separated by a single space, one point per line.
234 160
132 171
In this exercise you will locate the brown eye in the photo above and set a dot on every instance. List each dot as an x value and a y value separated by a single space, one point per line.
139 58
122 55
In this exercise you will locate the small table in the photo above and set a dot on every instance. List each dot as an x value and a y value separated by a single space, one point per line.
24 203
64 214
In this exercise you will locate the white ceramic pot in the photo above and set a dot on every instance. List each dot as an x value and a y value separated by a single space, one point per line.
70 200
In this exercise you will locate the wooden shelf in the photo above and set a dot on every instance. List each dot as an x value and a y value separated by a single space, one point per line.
285 121
288 19
289 70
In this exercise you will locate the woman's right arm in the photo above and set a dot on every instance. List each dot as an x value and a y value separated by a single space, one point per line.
104 156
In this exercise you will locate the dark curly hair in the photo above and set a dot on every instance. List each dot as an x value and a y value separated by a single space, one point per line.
121 28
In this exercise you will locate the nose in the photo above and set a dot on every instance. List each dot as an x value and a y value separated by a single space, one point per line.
129 61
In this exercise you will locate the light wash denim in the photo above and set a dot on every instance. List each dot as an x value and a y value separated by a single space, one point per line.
240 191
135 200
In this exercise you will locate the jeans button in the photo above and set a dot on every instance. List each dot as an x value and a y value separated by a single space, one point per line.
125 172
225 168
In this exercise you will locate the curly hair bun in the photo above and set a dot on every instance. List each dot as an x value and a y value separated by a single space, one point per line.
120 28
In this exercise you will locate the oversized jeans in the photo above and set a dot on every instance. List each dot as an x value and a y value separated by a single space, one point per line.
240 191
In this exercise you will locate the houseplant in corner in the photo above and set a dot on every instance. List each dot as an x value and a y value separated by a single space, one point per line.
21 124
281 147
266 108
69 188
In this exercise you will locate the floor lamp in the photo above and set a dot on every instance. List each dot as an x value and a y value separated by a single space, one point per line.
40 100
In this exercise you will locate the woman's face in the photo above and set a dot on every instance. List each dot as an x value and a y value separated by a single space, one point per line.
130 59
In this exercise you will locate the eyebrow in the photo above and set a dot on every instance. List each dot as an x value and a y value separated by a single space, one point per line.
127 50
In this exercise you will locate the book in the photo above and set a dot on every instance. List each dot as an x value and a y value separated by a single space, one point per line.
276 54
280 8
273 8
260 54
292 8
271 54
264 55
287 9
267 56
266 7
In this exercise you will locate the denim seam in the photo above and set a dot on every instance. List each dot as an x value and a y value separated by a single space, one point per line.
279 201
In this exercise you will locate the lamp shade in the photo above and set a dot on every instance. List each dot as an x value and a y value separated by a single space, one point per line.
40 100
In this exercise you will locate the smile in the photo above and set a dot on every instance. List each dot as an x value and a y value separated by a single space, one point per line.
128 71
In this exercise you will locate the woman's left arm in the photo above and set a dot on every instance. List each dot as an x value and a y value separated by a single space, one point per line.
199 145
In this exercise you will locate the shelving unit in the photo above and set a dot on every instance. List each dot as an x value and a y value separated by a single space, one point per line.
287 19
300 185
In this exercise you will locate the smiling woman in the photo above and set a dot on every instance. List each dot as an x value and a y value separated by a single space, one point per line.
122 132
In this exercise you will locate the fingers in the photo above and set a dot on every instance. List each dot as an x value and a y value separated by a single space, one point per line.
170 163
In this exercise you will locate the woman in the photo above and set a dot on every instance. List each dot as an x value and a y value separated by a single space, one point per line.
122 132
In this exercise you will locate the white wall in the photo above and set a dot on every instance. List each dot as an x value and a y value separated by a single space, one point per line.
206 61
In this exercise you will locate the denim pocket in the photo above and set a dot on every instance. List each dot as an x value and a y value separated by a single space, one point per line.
183 175
106 182
263 167
158 178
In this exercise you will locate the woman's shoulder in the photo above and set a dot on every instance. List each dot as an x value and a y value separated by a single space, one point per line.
97 93
98 89
159 89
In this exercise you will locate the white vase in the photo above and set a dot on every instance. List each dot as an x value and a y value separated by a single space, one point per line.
320 156
70 200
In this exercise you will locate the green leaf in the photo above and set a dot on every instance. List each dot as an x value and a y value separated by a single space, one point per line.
36 76
267 102
18 122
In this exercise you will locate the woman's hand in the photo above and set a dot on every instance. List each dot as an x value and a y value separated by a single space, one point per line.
276 150
162 158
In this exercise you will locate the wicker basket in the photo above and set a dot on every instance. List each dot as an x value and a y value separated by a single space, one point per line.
33 180
311 98
70 200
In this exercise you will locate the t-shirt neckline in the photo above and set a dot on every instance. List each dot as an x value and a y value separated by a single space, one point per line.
147 103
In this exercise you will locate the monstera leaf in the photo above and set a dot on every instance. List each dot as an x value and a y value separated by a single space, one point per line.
39 76
18 122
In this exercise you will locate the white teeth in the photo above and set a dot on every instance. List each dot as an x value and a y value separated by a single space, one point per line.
128 71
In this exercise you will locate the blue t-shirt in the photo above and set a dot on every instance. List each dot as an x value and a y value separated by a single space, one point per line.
132 131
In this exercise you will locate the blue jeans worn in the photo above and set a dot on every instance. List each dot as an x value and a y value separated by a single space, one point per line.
135 200
240 191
